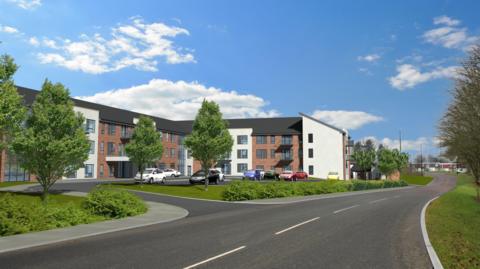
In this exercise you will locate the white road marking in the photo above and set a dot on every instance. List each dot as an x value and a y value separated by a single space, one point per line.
295 226
379 200
214 258
343 209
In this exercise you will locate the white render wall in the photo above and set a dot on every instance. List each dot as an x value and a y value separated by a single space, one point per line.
249 146
92 158
328 155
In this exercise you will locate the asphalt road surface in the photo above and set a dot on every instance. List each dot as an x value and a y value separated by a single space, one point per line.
375 230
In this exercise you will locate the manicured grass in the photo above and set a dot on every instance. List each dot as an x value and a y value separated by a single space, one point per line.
453 223
416 179
14 183
194 191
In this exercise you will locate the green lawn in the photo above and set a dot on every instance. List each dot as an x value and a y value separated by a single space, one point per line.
416 179
453 223
13 183
194 191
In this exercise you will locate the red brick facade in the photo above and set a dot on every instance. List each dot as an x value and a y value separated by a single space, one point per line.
275 162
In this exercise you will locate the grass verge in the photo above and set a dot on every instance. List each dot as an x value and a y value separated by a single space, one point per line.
192 191
453 222
14 183
416 179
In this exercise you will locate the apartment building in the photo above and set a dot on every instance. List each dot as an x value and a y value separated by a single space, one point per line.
282 143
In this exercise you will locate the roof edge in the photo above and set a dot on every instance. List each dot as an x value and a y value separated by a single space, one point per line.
324 123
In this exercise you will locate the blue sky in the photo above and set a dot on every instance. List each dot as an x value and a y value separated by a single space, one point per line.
374 67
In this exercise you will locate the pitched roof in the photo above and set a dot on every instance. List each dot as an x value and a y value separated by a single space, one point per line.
260 126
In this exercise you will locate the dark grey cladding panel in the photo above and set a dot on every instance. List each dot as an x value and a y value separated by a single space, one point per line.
285 125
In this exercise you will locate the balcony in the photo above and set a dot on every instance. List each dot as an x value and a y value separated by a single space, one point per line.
125 135
117 158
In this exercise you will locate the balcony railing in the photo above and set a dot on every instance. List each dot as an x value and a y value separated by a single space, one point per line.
126 135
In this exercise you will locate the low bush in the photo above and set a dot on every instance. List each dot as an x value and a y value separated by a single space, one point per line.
114 203
249 190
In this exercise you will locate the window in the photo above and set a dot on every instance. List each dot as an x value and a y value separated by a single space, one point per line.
242 154
110 148
189 170
101 172
111 129
260 167
103 128
172 138
72 174
121 150
310 170
172 152
124 132
242 167
310 153
111 170
90 126
286 154
102 148
227 156
310 138
189 154
272 139
242 139
92 146
286 139
261 139
272 153
172 165
166 136
89 170
261 153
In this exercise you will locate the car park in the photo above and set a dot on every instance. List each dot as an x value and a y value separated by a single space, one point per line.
271 174
151 175
286 175
169 172
199 177
293 176
221 176
333 175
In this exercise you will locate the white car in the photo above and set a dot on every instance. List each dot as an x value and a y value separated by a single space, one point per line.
169 172
152 175
221 176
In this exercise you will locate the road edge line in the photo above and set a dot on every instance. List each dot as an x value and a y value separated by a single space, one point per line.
215 257
428 245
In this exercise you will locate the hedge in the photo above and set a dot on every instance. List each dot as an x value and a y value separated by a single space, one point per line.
114 203
249 190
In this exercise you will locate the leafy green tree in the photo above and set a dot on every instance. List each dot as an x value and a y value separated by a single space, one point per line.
390 161
364 159
460 125
210 138
146 146
12 110
53 143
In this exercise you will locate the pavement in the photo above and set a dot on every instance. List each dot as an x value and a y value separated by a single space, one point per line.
369 230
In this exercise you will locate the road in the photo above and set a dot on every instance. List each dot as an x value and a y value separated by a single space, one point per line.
375 230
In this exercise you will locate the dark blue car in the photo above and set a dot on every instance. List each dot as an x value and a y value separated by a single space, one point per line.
252 174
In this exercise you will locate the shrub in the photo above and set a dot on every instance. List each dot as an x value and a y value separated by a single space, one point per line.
249 190
113 203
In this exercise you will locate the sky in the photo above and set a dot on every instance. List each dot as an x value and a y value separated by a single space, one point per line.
376 68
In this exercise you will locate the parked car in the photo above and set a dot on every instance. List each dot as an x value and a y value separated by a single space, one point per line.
271 174
333 175
169 172
199 177
252 174
293 176
220 173
151 175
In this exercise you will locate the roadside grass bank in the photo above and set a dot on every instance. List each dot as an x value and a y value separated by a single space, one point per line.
453 222
191 191
14 183
416 179
25 212
242 190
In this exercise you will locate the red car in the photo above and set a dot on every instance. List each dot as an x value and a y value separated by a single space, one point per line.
293 176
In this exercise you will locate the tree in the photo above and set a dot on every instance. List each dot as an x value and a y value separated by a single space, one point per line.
210 138
364 157
12 110
53 143
460 125
146 146
386 161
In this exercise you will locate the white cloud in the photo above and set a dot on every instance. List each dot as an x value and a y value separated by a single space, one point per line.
137 45
346 119
9 29
33 41
407 145
369 58
180 100
408 76
26 4
448 34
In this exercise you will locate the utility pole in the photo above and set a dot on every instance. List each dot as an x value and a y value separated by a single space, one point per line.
400 139
421 158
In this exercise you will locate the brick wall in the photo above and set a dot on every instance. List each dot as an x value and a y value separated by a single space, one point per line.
276 162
